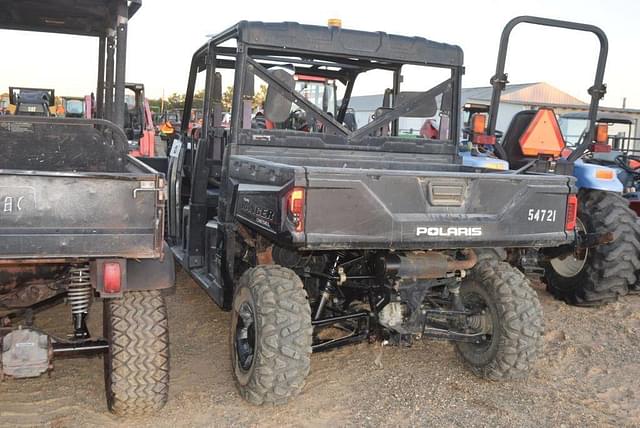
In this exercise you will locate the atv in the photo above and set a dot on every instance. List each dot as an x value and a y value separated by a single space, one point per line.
315 234
82 220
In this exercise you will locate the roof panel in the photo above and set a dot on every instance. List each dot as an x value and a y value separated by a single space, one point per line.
349 43
77 17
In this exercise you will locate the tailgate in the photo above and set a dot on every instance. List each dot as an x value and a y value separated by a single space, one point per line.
69 215
417 210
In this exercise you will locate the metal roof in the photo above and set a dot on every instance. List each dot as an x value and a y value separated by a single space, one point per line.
77 17
608 117
537 93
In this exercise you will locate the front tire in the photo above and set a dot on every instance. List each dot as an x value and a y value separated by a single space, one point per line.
514 320
137 362
600 274
270 335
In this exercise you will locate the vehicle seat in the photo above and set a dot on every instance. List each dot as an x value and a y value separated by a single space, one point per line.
511 139
350 120
128 122
213 195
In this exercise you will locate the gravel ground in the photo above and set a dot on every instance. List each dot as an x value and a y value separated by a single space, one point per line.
589 376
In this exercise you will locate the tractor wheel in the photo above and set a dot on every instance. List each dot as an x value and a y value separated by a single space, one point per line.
511 317
137 363
270 335
598 275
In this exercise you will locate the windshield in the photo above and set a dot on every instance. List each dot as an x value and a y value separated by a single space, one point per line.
572 129
75 107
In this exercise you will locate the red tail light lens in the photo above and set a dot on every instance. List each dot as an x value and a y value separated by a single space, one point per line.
112 276
295 207
572 212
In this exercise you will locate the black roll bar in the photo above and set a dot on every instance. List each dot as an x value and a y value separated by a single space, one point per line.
597 91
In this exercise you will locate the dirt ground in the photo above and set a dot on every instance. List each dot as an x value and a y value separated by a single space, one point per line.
589 375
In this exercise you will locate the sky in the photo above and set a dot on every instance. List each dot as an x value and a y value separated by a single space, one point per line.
164 34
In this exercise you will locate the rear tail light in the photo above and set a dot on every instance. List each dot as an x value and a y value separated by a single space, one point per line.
572 212
295 207
112 277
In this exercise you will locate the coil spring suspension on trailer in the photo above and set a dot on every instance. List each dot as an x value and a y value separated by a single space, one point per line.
79 298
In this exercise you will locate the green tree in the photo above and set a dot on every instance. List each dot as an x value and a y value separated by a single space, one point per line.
174 101
198 99
155 104
259 97
227 98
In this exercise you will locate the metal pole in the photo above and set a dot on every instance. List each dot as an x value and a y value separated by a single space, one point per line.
100 87
108 88
121 63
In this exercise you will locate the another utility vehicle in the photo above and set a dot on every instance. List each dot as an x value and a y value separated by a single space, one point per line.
80 218
316 236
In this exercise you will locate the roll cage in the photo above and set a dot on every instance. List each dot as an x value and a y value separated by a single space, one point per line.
326 52
105 19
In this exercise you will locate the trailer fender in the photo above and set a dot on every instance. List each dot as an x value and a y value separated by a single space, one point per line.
592 176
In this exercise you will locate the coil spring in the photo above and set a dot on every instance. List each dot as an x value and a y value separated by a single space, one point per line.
79 290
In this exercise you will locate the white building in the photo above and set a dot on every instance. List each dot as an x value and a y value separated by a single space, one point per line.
514 99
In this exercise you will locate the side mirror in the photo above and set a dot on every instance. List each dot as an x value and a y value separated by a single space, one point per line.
276 106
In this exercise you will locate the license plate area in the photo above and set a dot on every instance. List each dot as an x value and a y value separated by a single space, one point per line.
446 194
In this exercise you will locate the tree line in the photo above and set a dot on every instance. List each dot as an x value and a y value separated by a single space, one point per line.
175 101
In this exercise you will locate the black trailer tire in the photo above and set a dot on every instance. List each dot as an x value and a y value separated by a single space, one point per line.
608 270
270 335
137 363
515 315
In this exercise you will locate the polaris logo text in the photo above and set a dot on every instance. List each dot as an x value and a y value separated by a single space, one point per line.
449 231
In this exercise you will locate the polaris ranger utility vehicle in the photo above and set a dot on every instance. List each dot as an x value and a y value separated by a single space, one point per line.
32 101
315 236
80 218
606 261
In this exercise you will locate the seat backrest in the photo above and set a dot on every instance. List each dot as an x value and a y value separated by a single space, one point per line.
511 140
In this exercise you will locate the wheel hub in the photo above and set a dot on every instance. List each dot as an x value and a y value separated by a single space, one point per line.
245 336
571 265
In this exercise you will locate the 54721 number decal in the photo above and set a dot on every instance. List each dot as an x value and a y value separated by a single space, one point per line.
542 215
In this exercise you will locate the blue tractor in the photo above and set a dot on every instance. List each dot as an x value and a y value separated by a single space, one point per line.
598 270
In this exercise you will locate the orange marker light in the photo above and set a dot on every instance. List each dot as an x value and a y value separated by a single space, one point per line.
605 174
602 133
479 123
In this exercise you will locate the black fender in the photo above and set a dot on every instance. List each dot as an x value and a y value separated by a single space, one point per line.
151 274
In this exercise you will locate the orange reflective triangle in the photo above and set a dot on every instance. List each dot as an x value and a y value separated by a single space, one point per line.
543 136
